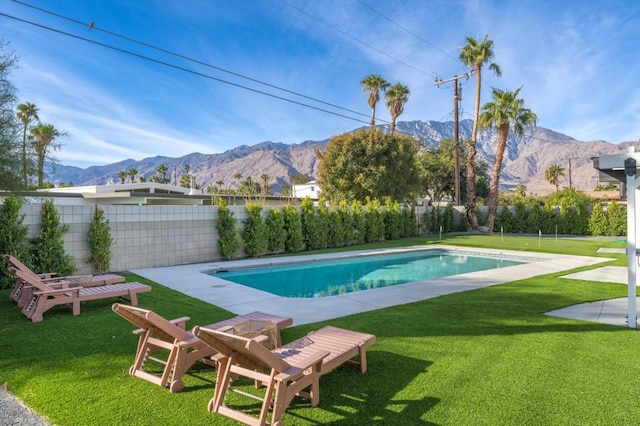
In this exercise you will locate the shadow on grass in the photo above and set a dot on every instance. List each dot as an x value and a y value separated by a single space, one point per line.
348 397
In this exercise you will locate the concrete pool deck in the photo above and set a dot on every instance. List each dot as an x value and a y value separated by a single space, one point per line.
193 281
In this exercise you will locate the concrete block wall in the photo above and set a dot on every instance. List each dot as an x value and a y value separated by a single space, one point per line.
144 236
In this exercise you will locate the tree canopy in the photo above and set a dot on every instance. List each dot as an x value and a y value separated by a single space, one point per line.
369 163
9 125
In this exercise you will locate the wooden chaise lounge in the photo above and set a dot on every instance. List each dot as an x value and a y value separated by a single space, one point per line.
285 371
19 296
184 349
46 296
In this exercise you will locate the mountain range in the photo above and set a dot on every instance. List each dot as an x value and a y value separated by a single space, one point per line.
525 161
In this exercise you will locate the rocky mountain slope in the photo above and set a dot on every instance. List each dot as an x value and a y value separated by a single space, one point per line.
526 159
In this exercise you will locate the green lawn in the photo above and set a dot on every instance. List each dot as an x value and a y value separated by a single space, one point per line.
483 357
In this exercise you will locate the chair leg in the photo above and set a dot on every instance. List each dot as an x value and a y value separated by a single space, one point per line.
222 384
279 402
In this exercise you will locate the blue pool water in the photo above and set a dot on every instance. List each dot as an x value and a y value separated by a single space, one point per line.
328 278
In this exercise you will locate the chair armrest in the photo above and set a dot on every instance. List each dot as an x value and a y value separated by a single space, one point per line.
180 322
303 364
53 292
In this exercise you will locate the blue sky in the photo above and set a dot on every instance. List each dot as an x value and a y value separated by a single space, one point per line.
577 61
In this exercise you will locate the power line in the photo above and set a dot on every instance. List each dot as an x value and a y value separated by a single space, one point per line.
94 27
406 30
352 37
157 61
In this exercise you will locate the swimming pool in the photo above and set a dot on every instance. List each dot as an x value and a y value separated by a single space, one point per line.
333 277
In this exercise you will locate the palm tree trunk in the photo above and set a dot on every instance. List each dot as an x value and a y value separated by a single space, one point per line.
470 207
40 169
24 155
373 116
503 133
393 125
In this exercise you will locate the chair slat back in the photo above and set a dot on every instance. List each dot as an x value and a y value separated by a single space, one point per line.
19 265
227 343
147 320
29 279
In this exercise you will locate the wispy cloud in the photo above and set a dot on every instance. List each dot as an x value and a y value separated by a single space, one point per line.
576 65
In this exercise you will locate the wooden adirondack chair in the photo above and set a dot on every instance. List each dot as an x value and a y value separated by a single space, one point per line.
156 332
286 371
46 296
19 295
284 378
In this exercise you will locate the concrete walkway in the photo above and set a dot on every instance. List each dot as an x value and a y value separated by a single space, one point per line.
192 280
611 311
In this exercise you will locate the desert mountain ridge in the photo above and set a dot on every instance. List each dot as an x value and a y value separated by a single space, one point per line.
526 159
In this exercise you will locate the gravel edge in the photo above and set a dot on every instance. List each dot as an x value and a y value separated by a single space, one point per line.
13 412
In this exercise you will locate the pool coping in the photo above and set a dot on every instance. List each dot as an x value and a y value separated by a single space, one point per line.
193 281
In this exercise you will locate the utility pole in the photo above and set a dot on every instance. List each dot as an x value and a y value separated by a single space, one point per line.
570 158
457 97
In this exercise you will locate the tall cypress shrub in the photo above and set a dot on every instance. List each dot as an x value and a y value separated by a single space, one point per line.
276 234
229 241
294 241
49 254
100 241
312 232
254 232
347 223
359 223
14 238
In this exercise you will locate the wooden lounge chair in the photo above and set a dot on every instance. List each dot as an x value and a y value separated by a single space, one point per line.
45 297
19 296
286 371
156 332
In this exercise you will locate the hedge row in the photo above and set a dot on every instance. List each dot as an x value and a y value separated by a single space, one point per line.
573 220
289 230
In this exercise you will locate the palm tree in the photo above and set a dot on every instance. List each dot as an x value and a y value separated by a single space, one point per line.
397 96
26 113
43 135
505 112
122 175
475 54
162 169
552 175
265 184
132 174
374 84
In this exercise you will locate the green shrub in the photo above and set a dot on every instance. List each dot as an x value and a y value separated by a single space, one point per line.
14 238
535 220
254 232
49 254
391 219
312 233
229 241
374 222
335 230
276 233
504 220
598 221
100 241
294 241
409 222
358 222
617 219
347 223
519 223
447 219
